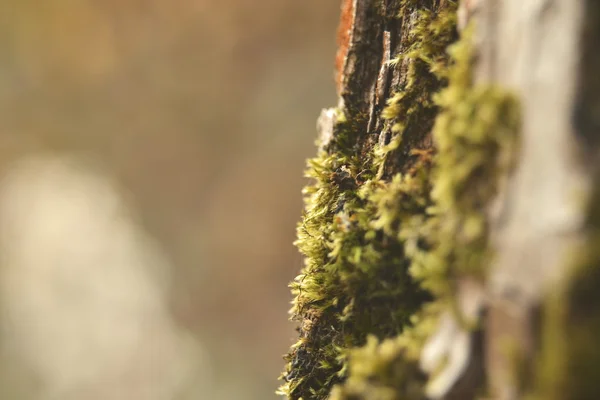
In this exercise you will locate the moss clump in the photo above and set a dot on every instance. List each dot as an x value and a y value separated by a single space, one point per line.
378 243
355 282
380 371
389 370
475 133
410 111
429 37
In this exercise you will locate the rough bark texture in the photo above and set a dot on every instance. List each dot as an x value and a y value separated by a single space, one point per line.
450 186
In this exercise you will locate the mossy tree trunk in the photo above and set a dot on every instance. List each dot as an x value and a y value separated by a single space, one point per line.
450 231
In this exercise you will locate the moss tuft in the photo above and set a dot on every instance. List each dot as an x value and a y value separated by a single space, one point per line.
389 369
378 243
411 109
355 282
475 134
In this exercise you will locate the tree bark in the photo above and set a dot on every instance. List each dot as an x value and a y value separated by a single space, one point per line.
450 231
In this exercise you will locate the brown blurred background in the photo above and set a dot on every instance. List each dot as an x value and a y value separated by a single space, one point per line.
201 113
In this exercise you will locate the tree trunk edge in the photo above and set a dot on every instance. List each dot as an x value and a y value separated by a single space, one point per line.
383 166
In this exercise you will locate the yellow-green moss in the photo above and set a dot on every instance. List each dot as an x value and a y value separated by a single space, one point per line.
389 369
429 37
377 245
355 281
411 108
475 135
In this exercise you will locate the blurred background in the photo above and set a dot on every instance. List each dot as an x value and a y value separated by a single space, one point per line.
151 158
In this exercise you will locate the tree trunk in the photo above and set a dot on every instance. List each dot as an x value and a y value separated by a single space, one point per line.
450 230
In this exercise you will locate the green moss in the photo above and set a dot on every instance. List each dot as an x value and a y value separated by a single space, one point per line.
410 111
355 281
378 243
475 134
389 370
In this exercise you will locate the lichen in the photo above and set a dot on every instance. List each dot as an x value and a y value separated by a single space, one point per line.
381 235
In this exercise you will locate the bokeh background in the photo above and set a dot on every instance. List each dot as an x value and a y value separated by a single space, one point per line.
151 158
